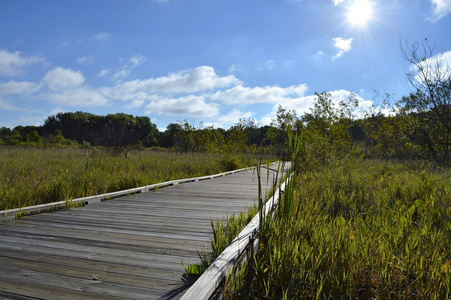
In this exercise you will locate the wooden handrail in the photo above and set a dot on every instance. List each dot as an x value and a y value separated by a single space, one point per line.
205 287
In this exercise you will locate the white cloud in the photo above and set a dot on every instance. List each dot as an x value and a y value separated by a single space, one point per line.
269 65
440 8
343 45
121 74
436 68
60 78
102 36
103 73
137 60
85 60
303 104
12 63
237 68
67 43
126 69
336 2
82 97
233 117
268 94
319 55
14 87
192 106
6 105
134 104
191 81
187 81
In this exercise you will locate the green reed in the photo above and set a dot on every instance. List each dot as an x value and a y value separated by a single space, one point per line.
31 176
355 229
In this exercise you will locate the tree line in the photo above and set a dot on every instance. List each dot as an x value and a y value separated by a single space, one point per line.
416 128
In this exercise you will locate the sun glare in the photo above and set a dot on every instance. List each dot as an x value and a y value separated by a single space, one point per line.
360 12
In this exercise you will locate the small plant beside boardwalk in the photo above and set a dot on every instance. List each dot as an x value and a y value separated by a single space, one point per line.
357 230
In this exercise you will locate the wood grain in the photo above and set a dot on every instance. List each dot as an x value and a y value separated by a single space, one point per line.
130 247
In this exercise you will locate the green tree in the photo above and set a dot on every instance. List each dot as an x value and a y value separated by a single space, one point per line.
329 127
168 137
236 138
277 135
184 139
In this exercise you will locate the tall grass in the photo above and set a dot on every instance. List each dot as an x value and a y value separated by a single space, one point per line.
36 176
354 229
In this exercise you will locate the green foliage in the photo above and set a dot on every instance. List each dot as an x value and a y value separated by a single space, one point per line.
355 229
327 131
230 162
192 272
112 130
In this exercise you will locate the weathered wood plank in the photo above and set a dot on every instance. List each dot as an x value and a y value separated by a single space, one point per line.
157 275
129 247
205 286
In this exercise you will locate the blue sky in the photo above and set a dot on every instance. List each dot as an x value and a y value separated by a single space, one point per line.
209 61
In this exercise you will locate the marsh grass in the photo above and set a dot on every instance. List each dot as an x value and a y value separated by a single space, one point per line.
355 229
31 176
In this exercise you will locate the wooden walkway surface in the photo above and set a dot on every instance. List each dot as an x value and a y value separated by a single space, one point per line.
124 248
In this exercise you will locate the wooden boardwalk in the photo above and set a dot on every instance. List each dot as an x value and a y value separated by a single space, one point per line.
125 248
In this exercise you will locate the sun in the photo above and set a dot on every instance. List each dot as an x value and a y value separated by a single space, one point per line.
360 12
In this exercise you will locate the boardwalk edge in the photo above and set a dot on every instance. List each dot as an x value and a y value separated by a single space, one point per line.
11 214
205 287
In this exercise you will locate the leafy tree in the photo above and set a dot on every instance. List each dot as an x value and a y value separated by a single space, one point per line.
113 130
236 138
184 139
329 128
210 140
168 137
5 136
277 135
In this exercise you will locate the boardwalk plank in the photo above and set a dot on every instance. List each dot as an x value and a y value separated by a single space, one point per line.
129 247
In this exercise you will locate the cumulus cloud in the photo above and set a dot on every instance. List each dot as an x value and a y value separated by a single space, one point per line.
233 117
191 81
437 67
343 45
13 63
14 87
303 105
193 106
268 94
134 104
82 97
440 8
60 78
